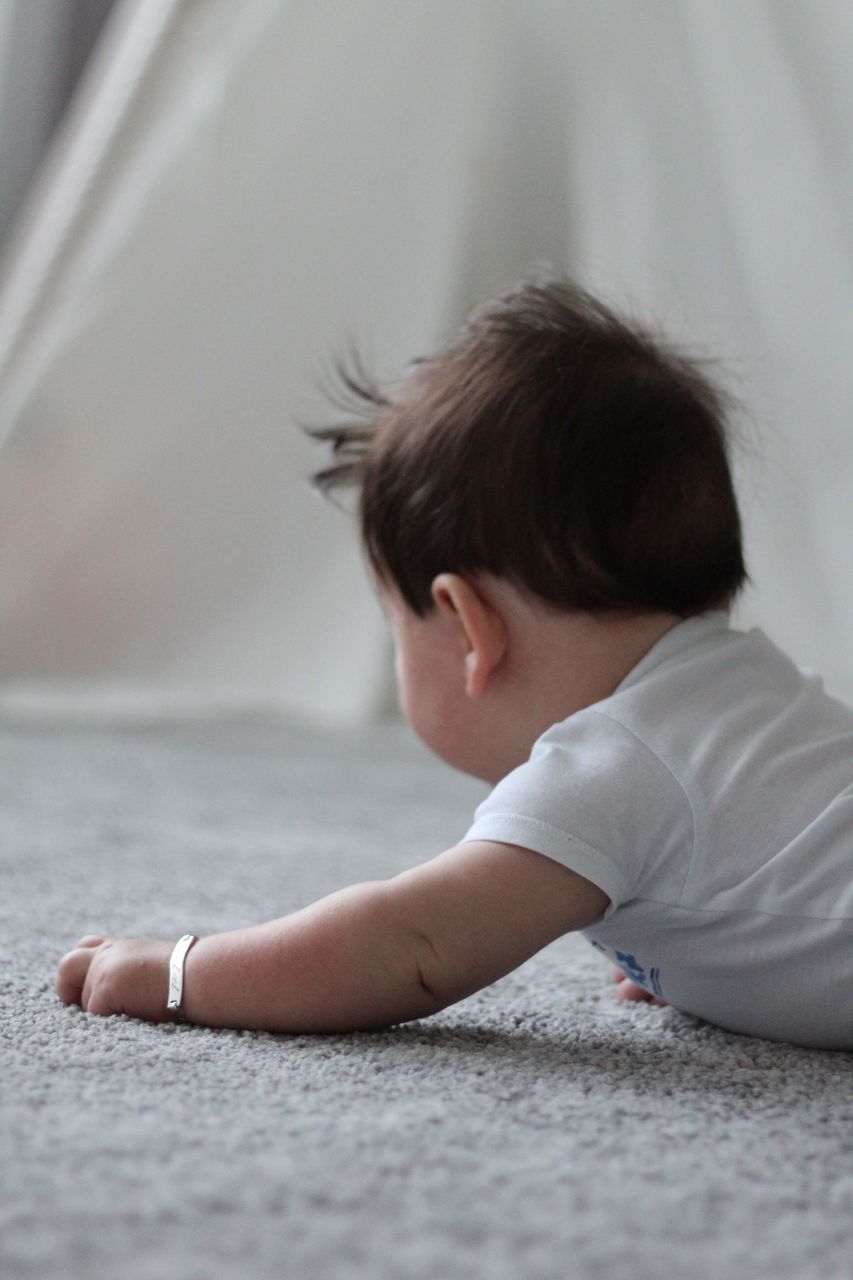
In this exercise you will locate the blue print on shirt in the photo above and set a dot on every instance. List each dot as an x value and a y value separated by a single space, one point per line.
631 967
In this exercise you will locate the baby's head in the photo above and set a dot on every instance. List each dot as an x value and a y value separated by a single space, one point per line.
561 473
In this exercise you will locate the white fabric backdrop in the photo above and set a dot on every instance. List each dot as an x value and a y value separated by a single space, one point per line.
43 48
242 187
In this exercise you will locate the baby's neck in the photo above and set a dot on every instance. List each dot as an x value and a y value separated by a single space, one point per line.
557 663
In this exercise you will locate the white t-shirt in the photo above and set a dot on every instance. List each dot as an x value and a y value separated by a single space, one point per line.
711 798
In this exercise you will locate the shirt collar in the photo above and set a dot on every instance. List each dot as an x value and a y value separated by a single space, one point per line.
693 633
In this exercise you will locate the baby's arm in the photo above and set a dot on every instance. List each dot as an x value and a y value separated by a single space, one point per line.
367 956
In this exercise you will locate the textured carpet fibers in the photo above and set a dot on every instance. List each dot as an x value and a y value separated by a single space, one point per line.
536 1130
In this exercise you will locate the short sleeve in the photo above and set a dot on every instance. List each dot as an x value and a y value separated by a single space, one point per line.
597 799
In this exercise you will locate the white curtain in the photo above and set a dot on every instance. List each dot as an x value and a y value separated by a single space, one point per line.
44 45
240 189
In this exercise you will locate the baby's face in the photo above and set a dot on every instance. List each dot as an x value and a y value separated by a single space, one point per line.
430 671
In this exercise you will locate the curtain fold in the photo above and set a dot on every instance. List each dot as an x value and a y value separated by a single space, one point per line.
44 47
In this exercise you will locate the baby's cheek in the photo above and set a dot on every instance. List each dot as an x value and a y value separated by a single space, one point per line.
422 719
441 732
411 696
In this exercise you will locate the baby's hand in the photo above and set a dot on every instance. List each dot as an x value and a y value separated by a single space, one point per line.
117 975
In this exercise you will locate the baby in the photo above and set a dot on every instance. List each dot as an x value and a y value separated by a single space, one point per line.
548 511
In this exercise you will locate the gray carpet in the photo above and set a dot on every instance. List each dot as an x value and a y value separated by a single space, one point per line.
536 1130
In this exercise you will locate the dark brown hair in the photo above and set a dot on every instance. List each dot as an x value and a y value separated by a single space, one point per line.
554 444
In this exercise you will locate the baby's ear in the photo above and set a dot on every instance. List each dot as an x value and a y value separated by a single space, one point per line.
482 631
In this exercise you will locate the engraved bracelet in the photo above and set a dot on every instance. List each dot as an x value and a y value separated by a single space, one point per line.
176 975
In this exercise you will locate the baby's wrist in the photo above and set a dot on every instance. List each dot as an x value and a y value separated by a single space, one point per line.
207 997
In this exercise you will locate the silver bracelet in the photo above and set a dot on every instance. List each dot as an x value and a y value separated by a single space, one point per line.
176 975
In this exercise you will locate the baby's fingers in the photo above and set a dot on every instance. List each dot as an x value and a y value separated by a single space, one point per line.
71 974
